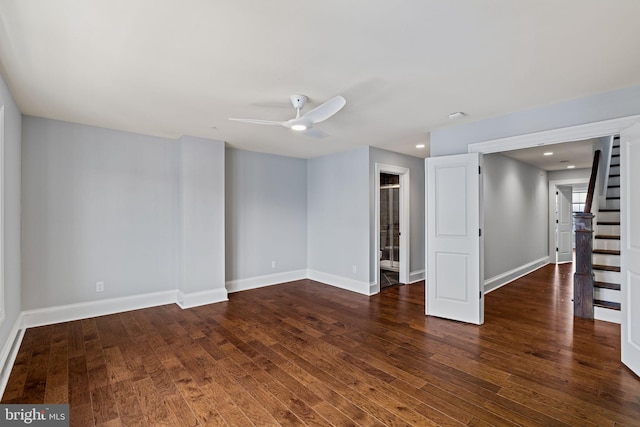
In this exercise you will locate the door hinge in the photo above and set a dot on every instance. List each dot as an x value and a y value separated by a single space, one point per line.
557 249
480 294
556 221
479 232
479 170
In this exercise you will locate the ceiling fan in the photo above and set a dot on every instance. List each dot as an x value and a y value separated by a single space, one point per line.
305 122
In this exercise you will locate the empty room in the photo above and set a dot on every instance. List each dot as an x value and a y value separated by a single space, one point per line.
250 213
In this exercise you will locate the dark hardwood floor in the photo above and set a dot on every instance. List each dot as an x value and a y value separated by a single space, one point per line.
304 353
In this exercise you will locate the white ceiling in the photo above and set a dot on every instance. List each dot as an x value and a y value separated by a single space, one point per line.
578 154
174 67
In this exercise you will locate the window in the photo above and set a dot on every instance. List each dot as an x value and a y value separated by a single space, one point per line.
578 200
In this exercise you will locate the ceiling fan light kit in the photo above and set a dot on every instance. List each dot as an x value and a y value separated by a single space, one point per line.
305 122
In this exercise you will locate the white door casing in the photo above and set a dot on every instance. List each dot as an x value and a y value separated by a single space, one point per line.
630 245
404 219
454 243
564 224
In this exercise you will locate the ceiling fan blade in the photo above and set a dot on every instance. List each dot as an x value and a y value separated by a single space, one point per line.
259 122
323 111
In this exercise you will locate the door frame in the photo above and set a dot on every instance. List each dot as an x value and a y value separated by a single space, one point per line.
403 173
552 214
556 136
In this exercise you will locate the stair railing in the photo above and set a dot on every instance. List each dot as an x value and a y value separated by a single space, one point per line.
583 278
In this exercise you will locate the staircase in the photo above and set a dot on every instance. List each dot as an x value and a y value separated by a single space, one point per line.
606 247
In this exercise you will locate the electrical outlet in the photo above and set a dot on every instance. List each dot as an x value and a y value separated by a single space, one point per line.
99 286
273 264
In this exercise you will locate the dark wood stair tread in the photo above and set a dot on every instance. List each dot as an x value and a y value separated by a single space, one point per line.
609 210
612 175
607 285
606 304
613 186
615 155
613 198
608 223
606 251
607 237
606 267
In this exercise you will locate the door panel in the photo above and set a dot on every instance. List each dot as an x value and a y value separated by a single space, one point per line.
630 244
564 224
454 245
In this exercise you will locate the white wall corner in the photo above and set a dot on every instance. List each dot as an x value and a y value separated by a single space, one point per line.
345 283
10 351
70 312
196 299
266 280
416 276
500 280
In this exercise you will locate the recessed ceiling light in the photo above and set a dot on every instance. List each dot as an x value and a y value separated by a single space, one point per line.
299 127
457 115
571 167
549 153
420 146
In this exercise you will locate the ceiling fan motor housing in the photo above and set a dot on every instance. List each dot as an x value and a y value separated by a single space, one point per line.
298 101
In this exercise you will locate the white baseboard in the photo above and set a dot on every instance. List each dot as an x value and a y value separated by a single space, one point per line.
84 310
267 280
343 282
196 299
416 276
502 279
10 351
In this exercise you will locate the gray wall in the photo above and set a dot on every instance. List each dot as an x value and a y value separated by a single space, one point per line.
515 214
11 181
98 205
604 106
417 194
266 214
338 206
201 215
569 174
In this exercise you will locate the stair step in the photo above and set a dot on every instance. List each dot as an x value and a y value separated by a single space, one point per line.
615 155
606 267
609 210
607 237
606 251
614 175
607 285
608 222
613 198
606 304
613 186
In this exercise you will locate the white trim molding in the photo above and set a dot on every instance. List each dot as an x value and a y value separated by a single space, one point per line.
196 299
416 276
266 280
345 283
509 276
555 136
10 351
85 310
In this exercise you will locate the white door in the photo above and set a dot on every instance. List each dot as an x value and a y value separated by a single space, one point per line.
454 244
564 224
630 245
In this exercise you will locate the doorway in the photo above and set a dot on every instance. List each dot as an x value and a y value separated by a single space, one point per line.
389 229
392 225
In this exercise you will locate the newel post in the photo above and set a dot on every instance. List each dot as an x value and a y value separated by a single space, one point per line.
583 278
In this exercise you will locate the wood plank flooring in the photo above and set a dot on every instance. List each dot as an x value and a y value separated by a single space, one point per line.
303 353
